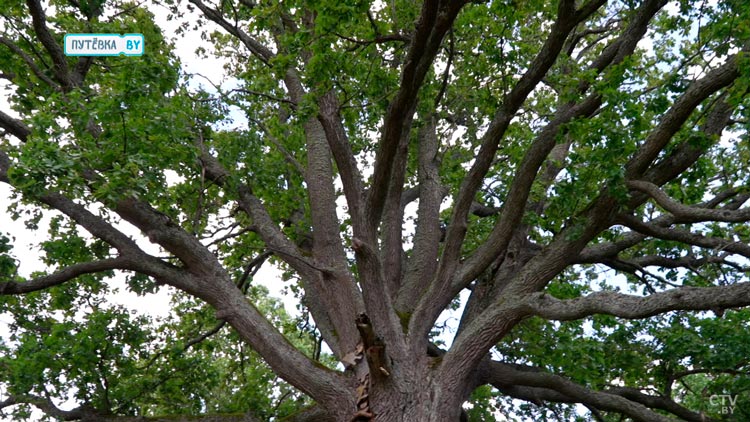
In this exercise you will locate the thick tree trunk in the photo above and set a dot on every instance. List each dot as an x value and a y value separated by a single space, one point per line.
423 404
408 393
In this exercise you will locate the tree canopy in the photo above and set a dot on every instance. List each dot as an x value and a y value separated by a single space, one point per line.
568 177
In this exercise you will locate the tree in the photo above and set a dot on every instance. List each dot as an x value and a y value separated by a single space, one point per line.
569 175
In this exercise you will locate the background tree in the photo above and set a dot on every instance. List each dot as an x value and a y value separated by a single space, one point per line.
504 159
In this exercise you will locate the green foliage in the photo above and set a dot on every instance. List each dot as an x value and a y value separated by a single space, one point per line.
137 127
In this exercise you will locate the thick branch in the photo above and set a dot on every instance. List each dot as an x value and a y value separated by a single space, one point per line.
497 319
160 229
15 127
276 241
659 402
566 21
231 305
637 307
518 194
337 290
596 253
448 283
678 114
542 386
60 63
436 18
338 142
94 224
46 406
422 265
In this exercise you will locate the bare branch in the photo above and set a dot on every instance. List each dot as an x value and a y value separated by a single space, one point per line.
266 95
380 39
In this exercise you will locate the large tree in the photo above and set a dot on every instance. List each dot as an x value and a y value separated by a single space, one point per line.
570 175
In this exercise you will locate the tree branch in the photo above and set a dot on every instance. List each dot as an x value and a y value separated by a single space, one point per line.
675 117
289 362
500 316
336 290
29 62
538 386
338 142
564 24
450 279
659 402
421 266
256 48
600 251
638 307
46 406
84 413
63 275
515 203
436 18
60 63
689 214
15 127
685 236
